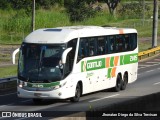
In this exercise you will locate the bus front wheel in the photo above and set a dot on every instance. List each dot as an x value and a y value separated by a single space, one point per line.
77 94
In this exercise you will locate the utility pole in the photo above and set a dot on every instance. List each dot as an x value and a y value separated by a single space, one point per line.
33 15
155 24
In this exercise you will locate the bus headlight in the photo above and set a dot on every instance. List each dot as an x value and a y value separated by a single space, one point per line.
21 83
59 86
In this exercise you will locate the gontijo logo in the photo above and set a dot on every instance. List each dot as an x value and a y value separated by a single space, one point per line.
92 64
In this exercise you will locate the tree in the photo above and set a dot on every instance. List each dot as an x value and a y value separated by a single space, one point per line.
112 4
79 10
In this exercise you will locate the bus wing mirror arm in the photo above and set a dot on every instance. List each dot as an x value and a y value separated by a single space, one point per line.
14 55
64 55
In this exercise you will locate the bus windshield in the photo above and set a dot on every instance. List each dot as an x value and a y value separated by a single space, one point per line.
40 63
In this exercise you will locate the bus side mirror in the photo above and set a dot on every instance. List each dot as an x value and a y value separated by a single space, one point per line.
14 55
64 55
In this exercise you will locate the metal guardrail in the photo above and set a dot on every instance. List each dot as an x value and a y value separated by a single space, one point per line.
8 79
148 52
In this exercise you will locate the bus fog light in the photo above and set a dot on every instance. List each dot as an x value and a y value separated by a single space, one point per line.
59 94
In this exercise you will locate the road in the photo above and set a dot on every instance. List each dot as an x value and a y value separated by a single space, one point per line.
148 82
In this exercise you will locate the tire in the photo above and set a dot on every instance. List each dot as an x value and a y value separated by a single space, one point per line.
124 82
77 94
117 88
37 100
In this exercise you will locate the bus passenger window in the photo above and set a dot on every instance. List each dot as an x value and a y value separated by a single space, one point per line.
101 46
92 47
119 43
112 44
133 39
83 49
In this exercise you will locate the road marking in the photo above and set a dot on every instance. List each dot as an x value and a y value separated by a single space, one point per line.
144 65
152 62
150 66
7 105
158 68
157 59
104 98
150 71
8 94
156 83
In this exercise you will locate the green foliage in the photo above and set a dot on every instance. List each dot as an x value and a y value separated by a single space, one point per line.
134 10
4 4
79 11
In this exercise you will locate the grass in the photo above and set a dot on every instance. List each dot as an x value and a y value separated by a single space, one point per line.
16 25
8 71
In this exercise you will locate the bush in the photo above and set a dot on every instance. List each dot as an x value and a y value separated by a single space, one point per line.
134 10
79 11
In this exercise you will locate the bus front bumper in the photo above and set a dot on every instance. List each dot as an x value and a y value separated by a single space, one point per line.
61 93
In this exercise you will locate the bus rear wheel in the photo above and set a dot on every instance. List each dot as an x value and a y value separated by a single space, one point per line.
124 82
77 94
117 88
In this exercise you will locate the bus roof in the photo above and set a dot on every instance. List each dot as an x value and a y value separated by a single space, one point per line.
64 34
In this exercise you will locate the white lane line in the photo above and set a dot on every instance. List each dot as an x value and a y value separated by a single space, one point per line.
142 65
7 105
157 59
158 68
152 62
156 83
150 71
104 98
150 65
8 94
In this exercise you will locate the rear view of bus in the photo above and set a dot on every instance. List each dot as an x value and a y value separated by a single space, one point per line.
67 62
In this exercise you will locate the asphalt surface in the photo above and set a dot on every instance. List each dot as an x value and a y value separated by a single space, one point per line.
148 82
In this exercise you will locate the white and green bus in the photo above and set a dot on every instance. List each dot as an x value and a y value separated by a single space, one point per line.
67 62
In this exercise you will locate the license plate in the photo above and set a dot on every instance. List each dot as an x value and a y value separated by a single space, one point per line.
37 94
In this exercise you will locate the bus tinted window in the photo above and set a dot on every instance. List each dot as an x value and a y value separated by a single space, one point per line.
83 48
112 44
101 46
133 38
92 47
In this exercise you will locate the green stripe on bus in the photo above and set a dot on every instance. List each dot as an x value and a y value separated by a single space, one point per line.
112 62
42 85
121 59
109 73
128 59
101 63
